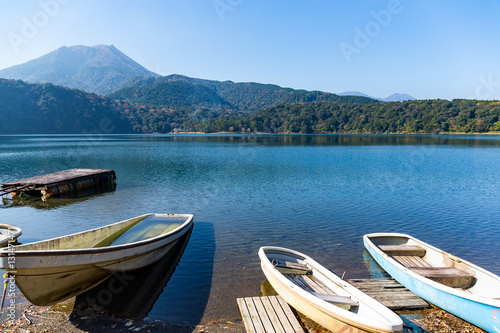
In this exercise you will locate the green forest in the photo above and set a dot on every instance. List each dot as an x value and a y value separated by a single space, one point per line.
49 109
424 116
181 92
46 108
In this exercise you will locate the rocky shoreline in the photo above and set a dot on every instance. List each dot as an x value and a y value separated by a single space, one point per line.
62 318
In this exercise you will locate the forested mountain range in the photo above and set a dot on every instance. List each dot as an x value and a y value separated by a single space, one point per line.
178 91
100 69
46 108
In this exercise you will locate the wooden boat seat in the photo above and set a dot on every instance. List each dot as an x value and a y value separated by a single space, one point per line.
288 267
449 276
403 250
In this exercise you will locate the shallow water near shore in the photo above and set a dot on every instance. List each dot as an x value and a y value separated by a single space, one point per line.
318 194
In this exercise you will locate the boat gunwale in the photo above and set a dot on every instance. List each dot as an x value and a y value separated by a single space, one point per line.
5 252
10 237
340 314
450 290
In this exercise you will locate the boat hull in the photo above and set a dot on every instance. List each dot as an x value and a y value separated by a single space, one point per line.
48 277
484 314
327 315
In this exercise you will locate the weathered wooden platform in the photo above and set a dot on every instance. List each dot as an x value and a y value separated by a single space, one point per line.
390 293
59 183
268 314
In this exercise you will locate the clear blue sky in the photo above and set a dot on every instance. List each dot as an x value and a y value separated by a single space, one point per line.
428 49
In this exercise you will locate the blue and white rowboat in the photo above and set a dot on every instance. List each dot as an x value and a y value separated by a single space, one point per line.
451 283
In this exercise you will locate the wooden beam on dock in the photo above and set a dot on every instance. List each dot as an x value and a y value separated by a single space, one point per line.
59 183
268 314
390 293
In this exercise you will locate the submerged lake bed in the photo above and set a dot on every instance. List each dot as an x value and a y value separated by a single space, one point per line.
317 194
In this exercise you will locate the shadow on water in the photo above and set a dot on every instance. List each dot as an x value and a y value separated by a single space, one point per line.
185 298
180 297
376 271
60 201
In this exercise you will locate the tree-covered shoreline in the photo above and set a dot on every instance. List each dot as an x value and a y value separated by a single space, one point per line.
46 108
410 117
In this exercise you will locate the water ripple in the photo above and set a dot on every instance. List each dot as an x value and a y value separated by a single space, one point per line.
315 194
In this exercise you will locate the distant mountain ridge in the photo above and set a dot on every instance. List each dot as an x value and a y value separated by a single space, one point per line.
103 69
396 97
178 91
100 69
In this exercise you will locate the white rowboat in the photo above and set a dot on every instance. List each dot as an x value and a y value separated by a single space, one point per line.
449 282
8 233
323 296
53 270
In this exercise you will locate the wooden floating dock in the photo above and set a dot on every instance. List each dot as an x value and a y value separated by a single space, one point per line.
59 183
268 314
390 293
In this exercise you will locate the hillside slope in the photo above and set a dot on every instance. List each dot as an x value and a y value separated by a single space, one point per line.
46 108
173 90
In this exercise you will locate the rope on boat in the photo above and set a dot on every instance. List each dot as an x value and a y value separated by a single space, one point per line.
24 195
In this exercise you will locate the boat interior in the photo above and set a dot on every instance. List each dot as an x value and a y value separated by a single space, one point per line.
438 265
415 258
129 231
301 275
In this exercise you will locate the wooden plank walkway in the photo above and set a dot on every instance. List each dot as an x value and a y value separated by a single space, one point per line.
59 183
390 293
268 314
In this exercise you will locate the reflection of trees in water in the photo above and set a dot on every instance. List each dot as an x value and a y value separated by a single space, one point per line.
55 202
337 139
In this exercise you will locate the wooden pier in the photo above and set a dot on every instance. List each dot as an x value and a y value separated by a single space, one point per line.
272 314
390 293
59 183
268 314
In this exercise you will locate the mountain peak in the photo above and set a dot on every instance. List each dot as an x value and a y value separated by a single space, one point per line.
100 68
397 97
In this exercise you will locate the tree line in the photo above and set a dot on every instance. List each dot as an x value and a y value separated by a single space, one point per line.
422 116
46 108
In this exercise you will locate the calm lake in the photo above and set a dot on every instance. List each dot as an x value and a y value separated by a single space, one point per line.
318 194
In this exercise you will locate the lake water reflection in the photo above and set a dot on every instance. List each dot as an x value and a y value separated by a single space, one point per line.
317 194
